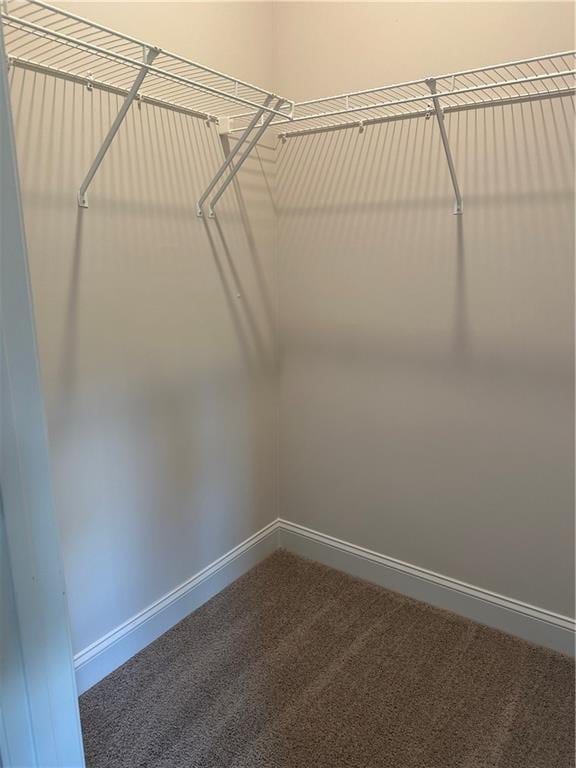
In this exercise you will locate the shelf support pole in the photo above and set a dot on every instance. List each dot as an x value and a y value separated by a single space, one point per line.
236 167
149 56
228 161
431 83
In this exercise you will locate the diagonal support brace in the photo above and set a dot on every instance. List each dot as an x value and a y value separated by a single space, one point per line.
431 83
236 167
228 161
149 56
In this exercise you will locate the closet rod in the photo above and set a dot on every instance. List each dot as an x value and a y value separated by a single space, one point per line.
92 83
450 76
101 52
426 113
50 40
345 109
139 43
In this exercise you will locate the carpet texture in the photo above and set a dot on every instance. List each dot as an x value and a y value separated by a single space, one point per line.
296 665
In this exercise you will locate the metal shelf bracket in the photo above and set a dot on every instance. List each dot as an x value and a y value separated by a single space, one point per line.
52 41
431 83
149 56
259 123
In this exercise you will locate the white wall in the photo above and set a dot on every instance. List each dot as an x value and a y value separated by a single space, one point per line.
39 719
159 379
427 387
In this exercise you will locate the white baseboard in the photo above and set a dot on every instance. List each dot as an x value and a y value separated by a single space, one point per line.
526 621
109 652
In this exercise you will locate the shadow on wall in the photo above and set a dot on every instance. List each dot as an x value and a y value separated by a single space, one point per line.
259 164
427 377
153 173
368 240
159 377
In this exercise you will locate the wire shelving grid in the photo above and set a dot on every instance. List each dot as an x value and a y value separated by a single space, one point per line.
52 41
56 42
540 77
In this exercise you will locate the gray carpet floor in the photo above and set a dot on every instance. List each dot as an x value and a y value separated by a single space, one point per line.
296 665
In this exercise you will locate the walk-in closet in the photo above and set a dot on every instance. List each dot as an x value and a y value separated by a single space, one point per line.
287 384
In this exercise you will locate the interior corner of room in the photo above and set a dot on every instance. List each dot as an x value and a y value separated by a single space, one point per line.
300 310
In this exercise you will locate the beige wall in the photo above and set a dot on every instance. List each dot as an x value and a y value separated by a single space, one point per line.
159 378
427 404
427 360
233 37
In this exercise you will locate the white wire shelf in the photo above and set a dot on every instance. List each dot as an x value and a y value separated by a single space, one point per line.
55 42
61 44
541 77
51 40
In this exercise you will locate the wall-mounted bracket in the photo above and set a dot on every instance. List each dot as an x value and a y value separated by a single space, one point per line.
431 83
224 125
258 122
149 56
